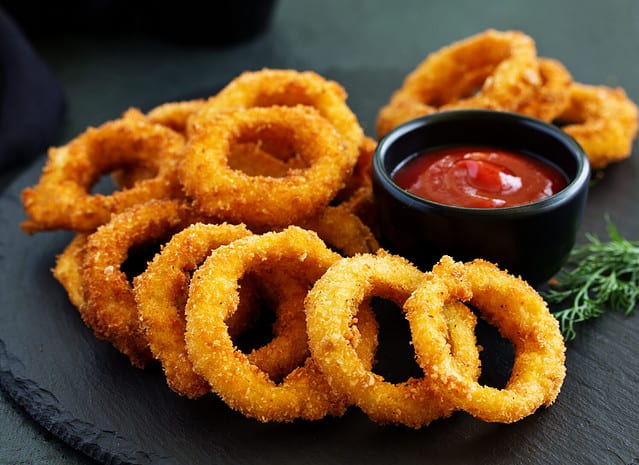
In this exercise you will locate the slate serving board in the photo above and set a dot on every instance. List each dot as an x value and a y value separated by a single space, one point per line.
87 394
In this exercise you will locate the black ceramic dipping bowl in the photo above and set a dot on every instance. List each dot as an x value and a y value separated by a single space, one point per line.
531 240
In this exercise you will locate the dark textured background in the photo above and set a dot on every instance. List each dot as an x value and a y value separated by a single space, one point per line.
53 368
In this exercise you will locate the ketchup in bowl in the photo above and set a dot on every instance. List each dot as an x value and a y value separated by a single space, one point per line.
478 177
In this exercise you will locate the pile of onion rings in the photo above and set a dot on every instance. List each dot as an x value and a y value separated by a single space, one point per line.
500 70
238 250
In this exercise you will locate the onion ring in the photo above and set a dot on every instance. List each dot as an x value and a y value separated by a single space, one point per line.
62 198
109 305
160 294
521 316
262 200
552 96
334 301
272 87
602 120
303 393
502 65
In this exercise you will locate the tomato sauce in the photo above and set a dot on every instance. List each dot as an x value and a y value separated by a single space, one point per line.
478 177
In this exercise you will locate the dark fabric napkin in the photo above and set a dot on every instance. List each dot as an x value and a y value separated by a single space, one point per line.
32 100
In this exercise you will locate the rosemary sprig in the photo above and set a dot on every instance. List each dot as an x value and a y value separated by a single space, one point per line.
598 276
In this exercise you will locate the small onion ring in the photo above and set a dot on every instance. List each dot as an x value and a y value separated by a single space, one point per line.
304 393
263 200
62 198
503 65
334 301
603 120
521 316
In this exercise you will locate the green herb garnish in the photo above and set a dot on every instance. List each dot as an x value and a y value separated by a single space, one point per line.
598 276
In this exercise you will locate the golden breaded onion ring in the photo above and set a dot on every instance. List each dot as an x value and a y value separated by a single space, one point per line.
160 294
304 393
333 303
62 198
603 120
235 196
285 87
109 306
521 316
492 70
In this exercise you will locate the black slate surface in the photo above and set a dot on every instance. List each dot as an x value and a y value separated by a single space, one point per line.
81 392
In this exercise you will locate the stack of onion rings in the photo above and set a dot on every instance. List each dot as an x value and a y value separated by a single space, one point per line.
213 297
501 71
254 197
502 65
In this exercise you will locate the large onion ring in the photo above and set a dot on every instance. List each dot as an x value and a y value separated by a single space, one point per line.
263 200
603 120
274 87
502 65
304 393
62 197
333 303
521 316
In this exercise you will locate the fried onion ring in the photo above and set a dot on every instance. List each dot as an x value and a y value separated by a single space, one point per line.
333 303
304 393
552 95
62 197
521 316
263 200
502 65
602 120
274 87
109 304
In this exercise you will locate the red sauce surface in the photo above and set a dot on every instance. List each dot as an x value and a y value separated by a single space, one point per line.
478 177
